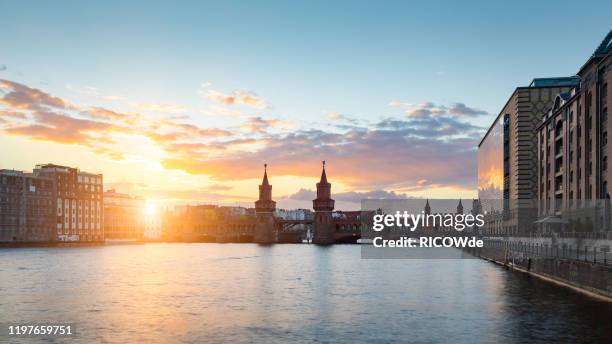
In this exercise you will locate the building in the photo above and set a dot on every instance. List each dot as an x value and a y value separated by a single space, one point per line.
323 205
573 144
78 202
265 228
191 223
508 154
153 226
208 223
27 207
124 216
294 214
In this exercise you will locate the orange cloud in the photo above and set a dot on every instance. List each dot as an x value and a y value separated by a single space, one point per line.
259 125
61 128
12 114
237 97
51 119
408 153
19 96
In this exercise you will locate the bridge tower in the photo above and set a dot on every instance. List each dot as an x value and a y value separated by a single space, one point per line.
265 229
323 206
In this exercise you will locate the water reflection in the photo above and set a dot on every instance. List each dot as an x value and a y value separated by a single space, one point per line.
243 293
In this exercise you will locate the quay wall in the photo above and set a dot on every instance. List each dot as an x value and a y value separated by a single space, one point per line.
587 269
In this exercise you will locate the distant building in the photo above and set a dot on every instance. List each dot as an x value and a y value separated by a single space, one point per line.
78 202
231 211
294 214
208 223
27 207
124 216
153 227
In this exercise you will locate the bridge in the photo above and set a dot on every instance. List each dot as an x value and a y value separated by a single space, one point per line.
204 223
326 228
346 230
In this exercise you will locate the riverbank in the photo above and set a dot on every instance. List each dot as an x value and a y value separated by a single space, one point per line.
594 280
70 244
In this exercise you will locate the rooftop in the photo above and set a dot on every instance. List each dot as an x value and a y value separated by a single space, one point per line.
605 46
559 82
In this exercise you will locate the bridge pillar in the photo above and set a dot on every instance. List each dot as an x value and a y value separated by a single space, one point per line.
323 228
265 227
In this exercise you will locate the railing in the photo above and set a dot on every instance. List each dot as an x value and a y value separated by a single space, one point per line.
589 254
599 235
603 235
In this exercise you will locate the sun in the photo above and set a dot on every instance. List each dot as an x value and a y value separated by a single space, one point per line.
150 209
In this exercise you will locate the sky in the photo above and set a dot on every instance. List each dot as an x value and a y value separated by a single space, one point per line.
183 102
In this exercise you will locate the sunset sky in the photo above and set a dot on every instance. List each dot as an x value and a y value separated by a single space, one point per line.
184 102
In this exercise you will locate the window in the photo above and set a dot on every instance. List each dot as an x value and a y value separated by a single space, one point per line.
558 128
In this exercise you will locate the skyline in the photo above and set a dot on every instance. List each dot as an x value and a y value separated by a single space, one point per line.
191 110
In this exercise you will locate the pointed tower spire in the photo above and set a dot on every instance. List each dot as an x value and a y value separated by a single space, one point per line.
265 177
323 200
323 175
265 202
460 207
427 209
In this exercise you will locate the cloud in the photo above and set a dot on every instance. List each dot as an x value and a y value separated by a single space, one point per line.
219 110
259 125
461 109
164 108
94 92
38 115
425 110
19 96
50 126
218 187
3 67
335 116
237 97
104 114
395 153
13 114
397 103
430 109
207 194
436 147
352 196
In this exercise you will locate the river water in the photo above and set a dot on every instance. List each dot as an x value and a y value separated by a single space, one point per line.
243 293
